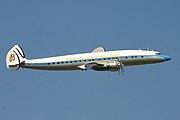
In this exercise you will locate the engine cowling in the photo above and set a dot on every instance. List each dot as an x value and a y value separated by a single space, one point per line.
113 66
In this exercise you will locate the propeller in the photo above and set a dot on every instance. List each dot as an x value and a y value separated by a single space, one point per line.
120 67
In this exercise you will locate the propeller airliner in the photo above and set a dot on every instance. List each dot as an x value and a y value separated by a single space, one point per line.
99 60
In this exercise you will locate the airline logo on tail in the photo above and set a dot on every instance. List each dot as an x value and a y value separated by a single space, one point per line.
12 58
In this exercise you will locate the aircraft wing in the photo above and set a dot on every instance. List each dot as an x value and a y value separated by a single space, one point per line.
106 65
91 65
101 66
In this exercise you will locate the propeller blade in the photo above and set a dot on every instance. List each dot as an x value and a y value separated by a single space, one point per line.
120 66
122 72
119 72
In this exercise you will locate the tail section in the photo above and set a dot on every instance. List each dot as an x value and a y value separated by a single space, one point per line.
15 57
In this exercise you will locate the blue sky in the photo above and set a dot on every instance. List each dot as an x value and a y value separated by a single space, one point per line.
48 28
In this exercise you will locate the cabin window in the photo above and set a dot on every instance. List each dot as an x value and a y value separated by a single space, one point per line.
142 56
99 59
132 56
126 57
48 63
70 61
53 63
66 61
57 62
75 61
62 62
92 59
135 56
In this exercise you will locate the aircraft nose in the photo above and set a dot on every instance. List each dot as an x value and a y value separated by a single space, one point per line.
166 57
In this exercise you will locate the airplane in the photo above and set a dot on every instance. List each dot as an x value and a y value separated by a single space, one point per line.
99 60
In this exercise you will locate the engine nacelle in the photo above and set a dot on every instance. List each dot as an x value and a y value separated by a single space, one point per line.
113 66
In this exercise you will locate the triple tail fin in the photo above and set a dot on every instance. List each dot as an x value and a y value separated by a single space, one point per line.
15 57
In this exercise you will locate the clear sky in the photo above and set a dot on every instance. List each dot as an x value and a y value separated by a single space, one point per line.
57 27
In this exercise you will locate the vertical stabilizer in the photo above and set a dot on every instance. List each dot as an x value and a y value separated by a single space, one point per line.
15 57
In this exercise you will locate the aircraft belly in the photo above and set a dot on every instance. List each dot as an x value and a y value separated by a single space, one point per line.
52 67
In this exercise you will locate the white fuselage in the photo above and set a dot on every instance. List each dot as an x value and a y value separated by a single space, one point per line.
73 62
